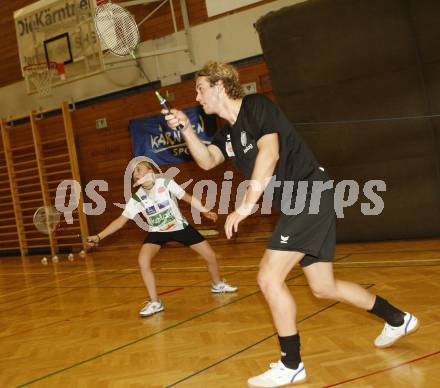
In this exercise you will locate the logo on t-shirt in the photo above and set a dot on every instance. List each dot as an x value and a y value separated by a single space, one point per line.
163 204
244 141
243 138
228 146
150 210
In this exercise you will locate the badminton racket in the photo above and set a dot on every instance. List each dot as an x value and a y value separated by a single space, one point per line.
47 219
118 32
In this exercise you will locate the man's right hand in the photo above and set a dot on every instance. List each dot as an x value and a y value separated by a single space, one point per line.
176 117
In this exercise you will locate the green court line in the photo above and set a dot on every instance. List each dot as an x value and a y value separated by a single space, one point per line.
326 308
156 333
142 338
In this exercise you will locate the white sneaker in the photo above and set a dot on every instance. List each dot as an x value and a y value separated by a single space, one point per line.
391 334
279 376
151 308
222 287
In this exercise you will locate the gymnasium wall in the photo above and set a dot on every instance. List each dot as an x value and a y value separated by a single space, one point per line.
227 37
104 154
345 60
158 26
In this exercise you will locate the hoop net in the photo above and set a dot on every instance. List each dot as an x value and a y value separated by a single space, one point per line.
41 74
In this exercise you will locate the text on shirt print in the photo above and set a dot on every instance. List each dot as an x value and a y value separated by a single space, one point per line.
162 218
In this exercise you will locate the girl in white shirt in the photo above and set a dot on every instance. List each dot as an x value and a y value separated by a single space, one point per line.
156 198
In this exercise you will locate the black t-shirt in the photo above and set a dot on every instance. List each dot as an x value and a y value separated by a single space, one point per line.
259 116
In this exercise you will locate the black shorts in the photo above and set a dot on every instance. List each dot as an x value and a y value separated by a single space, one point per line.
312 234
188 236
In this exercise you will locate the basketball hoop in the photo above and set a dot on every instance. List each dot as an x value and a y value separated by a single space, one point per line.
41 74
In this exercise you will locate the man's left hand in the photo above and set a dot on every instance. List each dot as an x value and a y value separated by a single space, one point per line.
233 219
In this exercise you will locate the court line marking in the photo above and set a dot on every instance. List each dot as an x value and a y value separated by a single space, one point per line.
250 268
153 334
255 344
143 338
176 288
182 269
84 314
367 252
111 272
388 266
390 261
340 265
164 269
186 286
33 287
383 370
123 269
47 298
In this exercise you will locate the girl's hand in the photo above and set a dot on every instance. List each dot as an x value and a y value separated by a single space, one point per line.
93 241
211 216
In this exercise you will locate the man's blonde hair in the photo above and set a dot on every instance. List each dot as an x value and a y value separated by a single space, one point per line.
216 71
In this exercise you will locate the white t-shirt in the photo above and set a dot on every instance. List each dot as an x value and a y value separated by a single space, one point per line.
158 206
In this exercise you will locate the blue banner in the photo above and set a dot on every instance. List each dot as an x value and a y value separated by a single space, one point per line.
152 137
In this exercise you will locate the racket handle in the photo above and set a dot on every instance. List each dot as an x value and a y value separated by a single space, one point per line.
165 104
84 238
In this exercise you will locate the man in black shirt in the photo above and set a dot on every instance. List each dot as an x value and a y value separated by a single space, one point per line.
263 145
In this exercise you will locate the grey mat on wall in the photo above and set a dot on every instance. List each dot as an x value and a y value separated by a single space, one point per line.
344 60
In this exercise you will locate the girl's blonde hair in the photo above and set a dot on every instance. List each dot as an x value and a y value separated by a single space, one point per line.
146 164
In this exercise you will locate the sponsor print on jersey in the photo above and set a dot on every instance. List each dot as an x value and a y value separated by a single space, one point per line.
161 219
169 226
163 205
150 210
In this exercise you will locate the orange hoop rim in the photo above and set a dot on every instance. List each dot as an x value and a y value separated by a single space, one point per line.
44 66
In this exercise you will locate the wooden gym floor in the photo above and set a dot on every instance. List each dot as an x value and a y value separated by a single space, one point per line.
76 324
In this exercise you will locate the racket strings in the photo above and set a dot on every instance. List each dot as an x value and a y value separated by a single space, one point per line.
117 29
47 219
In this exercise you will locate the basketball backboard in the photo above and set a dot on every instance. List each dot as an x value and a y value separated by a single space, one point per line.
61 31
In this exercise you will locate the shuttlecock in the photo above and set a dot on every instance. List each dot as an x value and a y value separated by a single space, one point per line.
70 257
55 259
44 261
82 253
